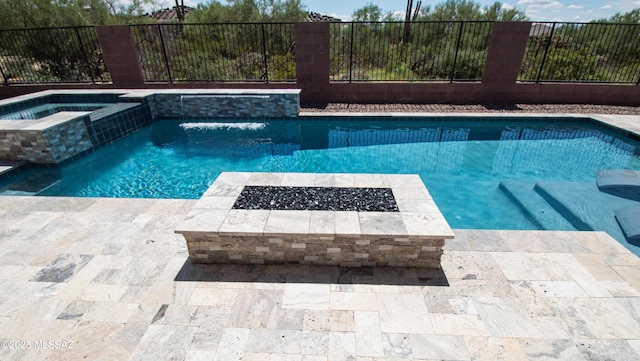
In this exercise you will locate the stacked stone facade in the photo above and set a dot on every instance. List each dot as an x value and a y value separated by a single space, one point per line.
228 104
50 145
412 237
344 251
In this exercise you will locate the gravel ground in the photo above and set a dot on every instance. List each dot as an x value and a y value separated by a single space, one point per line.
472 108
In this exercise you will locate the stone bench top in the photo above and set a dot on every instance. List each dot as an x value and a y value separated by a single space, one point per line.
417 216
204 92
42 123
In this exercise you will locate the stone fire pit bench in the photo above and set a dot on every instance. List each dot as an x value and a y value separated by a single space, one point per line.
347 220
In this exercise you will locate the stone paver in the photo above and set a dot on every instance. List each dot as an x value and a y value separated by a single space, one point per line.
87 278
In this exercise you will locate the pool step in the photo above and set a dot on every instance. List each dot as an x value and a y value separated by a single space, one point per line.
31 184
533 206
16 182
8 166
586 207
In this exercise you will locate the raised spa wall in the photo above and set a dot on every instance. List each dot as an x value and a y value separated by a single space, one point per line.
226 104
63 136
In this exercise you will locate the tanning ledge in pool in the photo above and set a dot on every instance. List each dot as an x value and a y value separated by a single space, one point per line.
623 183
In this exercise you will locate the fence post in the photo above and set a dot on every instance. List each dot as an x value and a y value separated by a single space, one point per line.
4 77
120 55
351 53
546 52
312 59
84 53
264 54
455 57
506 51
164 54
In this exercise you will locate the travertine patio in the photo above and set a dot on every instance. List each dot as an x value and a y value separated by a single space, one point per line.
108 279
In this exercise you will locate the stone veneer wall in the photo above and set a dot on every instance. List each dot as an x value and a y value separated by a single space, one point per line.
344 251
413 236
227 105
30 146
68 139
57 143
153 107
49 146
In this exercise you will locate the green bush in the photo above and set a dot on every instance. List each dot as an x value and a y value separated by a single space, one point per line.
282 67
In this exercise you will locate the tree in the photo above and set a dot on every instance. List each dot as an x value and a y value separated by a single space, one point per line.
632 17
180 10
50 50
52 13
238 11
236 47
368 13
411 15
56 13
456 10
289 10
213 12
499 12
127 12
603 50
467 10
436 44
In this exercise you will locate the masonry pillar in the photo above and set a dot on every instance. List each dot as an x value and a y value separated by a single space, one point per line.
506 51
120 55
312 60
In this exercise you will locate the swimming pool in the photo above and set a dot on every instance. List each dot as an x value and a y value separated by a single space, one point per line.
462 162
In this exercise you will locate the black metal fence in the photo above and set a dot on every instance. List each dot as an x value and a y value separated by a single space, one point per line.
582 52
248 52
427 51
53 55
359 52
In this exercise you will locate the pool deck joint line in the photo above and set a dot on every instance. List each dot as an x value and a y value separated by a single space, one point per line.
215 232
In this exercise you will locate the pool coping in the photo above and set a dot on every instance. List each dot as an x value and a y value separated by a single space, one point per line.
621 123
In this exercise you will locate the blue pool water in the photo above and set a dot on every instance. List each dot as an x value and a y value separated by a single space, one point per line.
461 162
